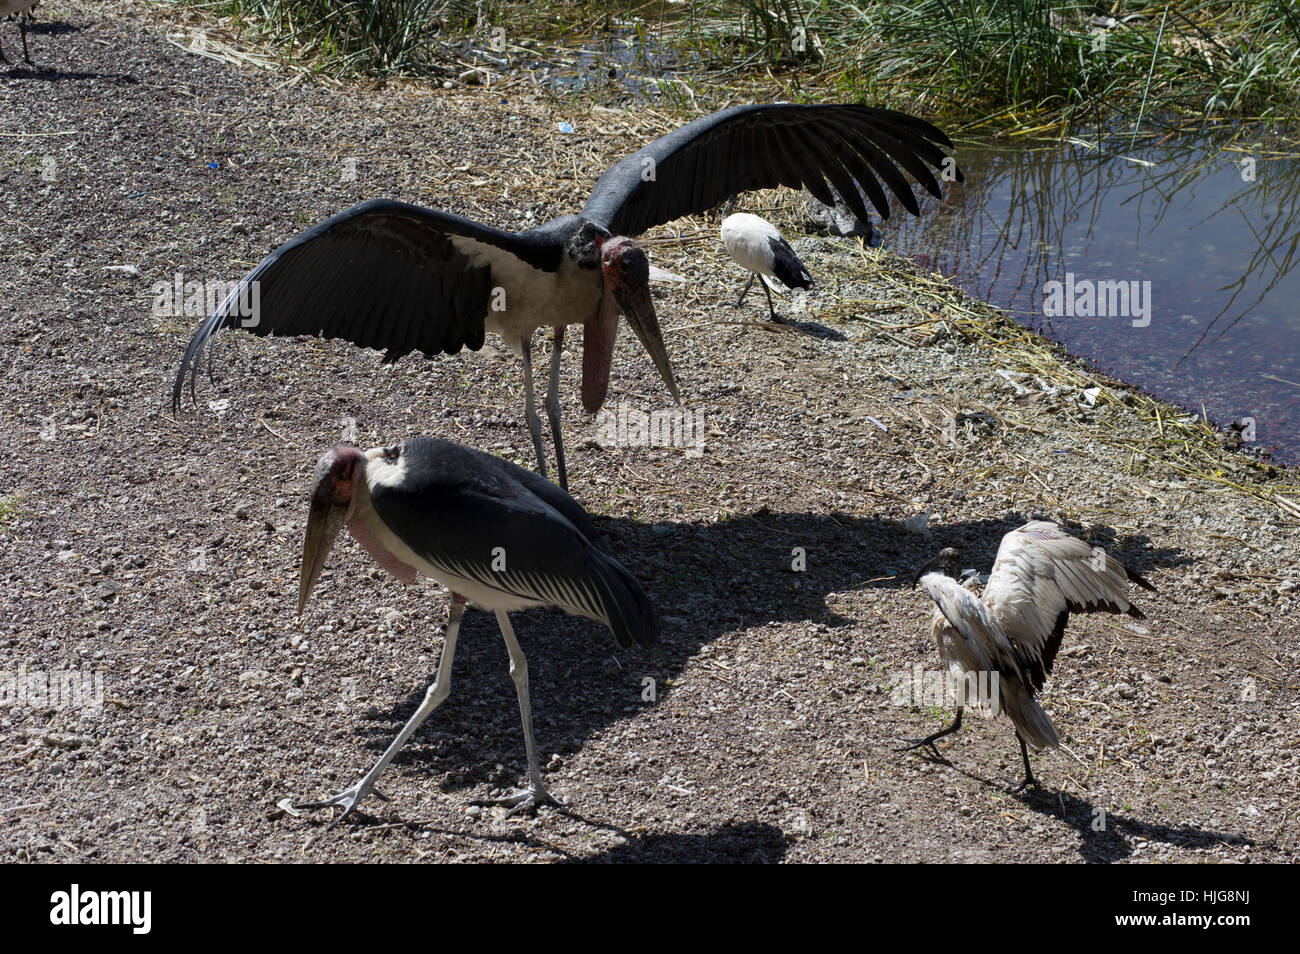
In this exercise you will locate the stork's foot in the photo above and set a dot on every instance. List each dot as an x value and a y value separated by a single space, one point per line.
348 800
522 800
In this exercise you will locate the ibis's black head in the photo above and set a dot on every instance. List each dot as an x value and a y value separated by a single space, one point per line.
332 493
948 560
584 245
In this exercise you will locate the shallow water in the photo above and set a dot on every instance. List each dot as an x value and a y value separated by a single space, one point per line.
1215 321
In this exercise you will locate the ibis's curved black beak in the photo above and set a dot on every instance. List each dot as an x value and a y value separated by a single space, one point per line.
946 560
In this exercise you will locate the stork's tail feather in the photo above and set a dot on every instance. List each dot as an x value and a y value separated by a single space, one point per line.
1034 724
630 616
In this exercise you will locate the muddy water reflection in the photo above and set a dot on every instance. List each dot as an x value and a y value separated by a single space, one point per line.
1213 232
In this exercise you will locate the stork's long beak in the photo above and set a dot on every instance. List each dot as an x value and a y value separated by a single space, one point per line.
634 301
324 522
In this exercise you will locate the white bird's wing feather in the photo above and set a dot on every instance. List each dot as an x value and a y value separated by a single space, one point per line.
982 635
1040 576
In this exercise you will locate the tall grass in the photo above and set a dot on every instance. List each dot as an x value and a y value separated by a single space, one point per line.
1003 57
376 37
1019 63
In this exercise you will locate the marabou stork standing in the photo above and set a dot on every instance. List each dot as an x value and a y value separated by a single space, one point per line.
755 244
23 10
403 278
1040 576
490 532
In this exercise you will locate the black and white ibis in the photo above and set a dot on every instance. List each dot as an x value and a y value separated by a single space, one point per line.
22 9
757 246
488 530
1040 576
403 278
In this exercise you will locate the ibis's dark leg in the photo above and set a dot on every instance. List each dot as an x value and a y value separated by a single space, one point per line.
22 31
741 300
553 405
530 406
769 300
1029 773
931 739
350 798
2 55
535 794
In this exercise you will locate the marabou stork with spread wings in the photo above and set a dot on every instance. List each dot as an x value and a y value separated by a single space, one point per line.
403 278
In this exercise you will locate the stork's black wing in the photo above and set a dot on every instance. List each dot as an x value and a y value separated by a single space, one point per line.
381 274
455 506
705 162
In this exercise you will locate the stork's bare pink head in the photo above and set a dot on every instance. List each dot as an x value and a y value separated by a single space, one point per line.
627 276
332 497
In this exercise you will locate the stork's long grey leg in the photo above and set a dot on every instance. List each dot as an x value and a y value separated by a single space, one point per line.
535 794
931 739
22 30
350 798
530 406
1029 772
741 300
553 405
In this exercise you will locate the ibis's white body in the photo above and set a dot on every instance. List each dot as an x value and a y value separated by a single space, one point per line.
748 239
1041 574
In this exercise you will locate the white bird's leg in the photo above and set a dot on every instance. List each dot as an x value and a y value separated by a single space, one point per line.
1029 773
553 405
775 317
931 739
741 300
530 405
350 798
535 794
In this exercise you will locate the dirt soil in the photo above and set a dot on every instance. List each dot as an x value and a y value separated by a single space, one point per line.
163 552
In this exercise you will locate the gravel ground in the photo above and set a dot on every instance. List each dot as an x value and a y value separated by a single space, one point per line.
163 553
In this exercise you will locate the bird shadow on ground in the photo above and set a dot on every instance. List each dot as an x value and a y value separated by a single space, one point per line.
1102 831
51 74
708 580
54 28
736 842
814 329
